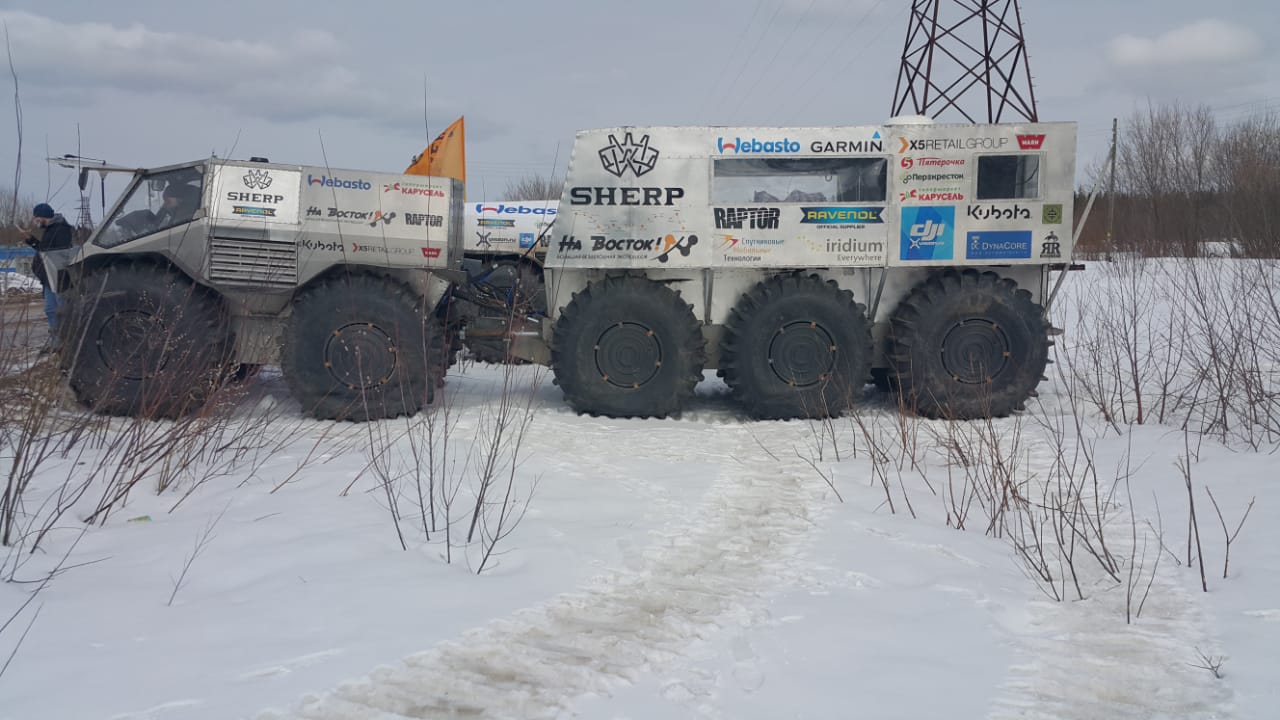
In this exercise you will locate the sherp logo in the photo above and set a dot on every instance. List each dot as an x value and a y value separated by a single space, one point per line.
928 233
341 183
756 146
618 158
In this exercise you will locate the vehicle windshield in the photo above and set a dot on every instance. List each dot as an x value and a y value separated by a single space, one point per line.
157 202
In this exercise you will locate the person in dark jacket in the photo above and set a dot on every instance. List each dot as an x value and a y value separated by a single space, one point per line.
54 234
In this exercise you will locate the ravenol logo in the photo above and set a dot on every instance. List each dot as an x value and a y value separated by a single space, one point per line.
998 245
841 215
928 233
755 146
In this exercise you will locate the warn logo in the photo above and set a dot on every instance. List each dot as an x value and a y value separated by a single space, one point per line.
1030 142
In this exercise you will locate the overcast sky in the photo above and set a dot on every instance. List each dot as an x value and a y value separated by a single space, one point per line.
153 83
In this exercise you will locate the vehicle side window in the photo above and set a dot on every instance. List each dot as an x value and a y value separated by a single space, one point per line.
158 202
1008 177
796 180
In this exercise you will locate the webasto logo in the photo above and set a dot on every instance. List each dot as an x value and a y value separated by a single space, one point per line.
333 182
753 146
481 208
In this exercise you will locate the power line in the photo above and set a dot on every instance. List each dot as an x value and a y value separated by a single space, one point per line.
769 65
728 61
835 48
880 33
743 66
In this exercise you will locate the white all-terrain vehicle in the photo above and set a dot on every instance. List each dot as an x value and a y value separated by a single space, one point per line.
342 277
804 262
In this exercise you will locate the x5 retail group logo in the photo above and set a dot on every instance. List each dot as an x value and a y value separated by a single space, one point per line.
928 233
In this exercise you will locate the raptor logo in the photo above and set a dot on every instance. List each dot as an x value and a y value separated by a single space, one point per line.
619 157
257 180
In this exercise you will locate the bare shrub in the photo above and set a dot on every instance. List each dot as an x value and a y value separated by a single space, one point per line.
422 469
1228 536
202 542
534 187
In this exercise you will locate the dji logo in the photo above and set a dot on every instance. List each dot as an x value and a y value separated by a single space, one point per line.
926 233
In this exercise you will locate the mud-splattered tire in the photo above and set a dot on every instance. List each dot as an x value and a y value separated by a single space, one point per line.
627 347
142 340
362 348
796 347
968 345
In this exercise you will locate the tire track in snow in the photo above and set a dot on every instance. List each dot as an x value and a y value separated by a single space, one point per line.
1086 663
703 572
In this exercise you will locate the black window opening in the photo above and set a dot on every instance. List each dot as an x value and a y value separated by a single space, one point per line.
799 180
1008 177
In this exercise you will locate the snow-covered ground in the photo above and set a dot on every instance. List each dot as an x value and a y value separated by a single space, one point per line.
15 282
704 567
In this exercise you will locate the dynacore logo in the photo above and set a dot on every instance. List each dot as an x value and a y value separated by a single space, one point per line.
501 209
1030 142
943 144
341 183
756 146
841 215
413 189
998 245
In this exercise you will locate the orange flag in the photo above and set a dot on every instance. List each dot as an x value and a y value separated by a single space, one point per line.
445 157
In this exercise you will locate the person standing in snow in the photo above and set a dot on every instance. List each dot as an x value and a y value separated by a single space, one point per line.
54 234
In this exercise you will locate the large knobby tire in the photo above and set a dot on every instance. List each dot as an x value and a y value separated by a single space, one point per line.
627 347
143 341
360 348
523 284
968 345
796 347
